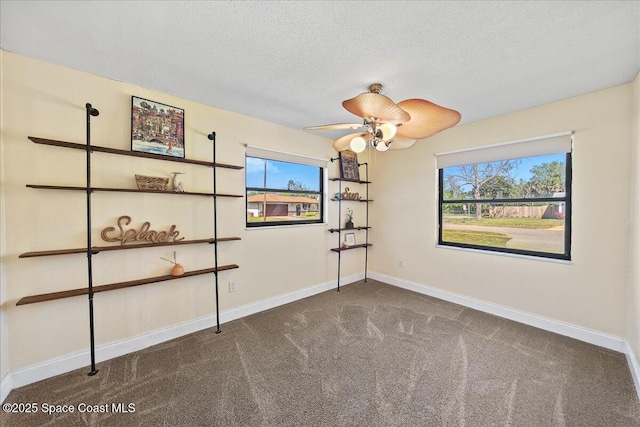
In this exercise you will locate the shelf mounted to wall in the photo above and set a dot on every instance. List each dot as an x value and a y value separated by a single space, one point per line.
91 250
98 249
340 228
128 190
99 149
120 285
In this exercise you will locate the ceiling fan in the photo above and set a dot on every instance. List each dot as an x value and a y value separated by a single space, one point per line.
388 125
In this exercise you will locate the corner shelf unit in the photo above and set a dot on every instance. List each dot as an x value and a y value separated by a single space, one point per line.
366 245
91 250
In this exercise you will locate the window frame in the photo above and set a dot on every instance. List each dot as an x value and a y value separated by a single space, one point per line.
567 199
320 192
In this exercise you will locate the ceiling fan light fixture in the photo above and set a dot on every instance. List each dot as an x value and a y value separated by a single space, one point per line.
358 144
382 146
388 131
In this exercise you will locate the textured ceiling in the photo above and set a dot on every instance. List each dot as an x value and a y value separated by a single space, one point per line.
293 63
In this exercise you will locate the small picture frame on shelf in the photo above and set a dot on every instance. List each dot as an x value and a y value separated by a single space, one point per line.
156 128
350 239
349 166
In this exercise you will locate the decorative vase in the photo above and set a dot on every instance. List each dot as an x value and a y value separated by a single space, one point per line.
178 187
349 224
177 270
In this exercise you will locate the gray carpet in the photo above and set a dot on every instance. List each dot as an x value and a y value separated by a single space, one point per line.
370 355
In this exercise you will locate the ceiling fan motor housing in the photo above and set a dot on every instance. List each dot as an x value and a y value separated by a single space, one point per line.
375 88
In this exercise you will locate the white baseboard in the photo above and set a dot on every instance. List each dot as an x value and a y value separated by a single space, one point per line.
70 362
634 366
583 334
6 385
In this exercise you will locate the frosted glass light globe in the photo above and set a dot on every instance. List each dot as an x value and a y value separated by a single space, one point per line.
382 146
388 131
358 144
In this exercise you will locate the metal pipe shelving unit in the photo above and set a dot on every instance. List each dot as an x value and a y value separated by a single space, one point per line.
340 229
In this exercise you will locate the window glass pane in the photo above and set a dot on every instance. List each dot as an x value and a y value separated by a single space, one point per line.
283 193
526 226
281 175
282 206
517 206
540 176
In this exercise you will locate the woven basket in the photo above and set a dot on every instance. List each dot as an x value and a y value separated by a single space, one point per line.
152 183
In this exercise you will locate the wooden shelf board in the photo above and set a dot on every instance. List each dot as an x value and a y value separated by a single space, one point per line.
333 230
350 180
364 245
127 190
97 148
122 285
98 249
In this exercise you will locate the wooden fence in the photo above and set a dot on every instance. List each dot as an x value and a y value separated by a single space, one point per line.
544 211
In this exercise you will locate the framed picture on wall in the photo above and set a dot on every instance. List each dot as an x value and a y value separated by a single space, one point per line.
349 166
156 128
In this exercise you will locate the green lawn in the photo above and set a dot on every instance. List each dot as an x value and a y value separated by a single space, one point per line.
537 223
482 238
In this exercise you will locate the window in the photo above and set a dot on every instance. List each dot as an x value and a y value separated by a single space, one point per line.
283 192
518 204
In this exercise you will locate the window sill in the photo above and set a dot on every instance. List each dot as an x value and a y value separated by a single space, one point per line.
271 227
529 257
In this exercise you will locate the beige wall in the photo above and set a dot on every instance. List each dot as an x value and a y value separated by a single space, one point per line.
590 291
45 100
634 253
41 99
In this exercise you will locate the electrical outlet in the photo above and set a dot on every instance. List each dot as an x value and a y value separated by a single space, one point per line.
232 286
401 264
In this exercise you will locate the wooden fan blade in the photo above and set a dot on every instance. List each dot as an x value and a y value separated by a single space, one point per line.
336 126
401 143
342 143
427 119
373 105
